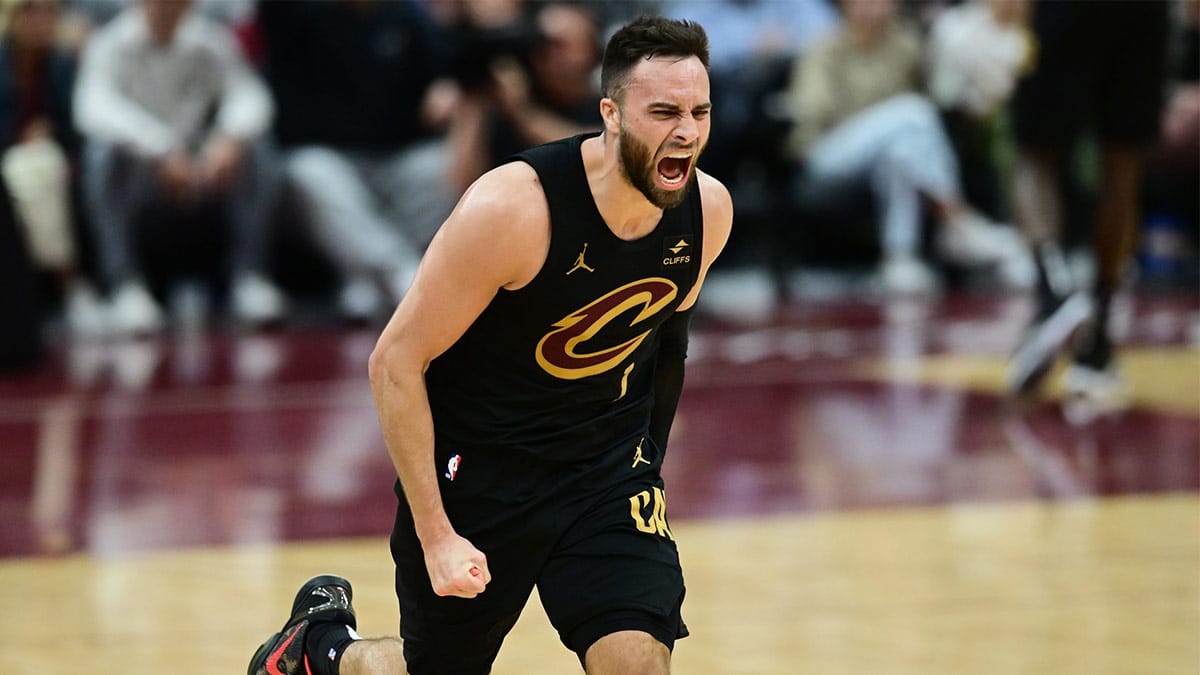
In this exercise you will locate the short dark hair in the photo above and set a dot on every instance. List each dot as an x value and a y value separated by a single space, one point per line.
644 38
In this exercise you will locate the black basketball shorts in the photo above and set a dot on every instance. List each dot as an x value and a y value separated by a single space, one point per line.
592 536
1098 65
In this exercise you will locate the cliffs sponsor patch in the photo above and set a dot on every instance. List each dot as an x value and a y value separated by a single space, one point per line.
677 251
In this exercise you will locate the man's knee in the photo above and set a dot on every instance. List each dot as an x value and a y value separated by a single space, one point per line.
628 652
316 166
913 110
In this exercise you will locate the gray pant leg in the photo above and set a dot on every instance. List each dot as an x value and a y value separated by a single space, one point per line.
344 214
900 145
251 205
418 190
117 185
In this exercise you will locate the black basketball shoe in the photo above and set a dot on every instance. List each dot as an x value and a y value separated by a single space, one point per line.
323 598
1052 333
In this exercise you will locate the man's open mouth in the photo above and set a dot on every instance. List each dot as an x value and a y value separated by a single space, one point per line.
673 169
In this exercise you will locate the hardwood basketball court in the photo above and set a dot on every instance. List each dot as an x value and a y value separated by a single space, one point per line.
850 492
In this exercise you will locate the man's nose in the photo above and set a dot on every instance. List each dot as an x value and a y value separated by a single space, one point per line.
687 131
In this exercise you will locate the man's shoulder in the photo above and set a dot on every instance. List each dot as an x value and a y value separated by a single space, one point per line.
502 218
717 205
125 27
712 191
202 33
512 190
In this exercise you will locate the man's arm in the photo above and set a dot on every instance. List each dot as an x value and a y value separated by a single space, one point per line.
673 336
497 237
536 124
246 108
668 375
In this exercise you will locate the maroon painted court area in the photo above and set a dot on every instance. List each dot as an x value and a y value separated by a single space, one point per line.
226 438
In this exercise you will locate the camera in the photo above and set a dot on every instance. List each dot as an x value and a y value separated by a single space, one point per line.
476 49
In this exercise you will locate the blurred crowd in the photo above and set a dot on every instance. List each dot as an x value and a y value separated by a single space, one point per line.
168 163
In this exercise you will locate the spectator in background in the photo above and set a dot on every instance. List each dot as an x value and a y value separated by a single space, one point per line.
1172 211
753 45
1100 66
976 49
749 39
361 113
173 115
859 116
40 150
536 84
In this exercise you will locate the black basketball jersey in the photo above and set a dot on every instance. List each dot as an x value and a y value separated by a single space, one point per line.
563 367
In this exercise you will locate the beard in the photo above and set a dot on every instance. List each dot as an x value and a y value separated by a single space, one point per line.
639 168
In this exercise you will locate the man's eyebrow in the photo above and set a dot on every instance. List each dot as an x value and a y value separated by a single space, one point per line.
675 106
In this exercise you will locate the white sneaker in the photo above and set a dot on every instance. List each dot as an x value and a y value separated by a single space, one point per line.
1044 341
360 299
133 311
906 275
1018 272
1093 393
970 239
84 312
256 301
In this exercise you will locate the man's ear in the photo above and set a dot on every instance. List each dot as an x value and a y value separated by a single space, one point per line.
610 112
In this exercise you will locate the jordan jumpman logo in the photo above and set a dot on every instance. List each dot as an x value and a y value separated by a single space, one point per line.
638 457
579 264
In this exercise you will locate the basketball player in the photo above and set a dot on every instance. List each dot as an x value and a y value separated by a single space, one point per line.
1100 66
526 387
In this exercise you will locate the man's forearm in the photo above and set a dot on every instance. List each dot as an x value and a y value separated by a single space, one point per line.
668 375
403 408
538 125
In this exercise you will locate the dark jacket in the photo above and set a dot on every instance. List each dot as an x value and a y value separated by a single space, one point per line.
56 97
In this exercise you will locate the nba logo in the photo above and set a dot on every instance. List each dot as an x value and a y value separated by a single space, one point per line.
452 466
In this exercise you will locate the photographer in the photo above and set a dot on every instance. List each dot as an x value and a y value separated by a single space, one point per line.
526 80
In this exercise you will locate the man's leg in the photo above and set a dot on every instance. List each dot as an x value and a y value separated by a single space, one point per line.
871 145
628 652
255 298
497 502
345 220
1093 375
315 636
613 587
384 656
116 186
1061 309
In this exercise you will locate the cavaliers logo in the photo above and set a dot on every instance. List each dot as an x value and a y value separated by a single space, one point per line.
557 352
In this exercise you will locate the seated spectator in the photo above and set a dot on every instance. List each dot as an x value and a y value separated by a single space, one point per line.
860 117
1171 235
976 50
173 115
748 41
538 87
752 44
360 114
39 149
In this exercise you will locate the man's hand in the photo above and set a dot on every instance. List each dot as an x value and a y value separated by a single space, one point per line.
177 173
510 87
221 160
37 129
456 568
